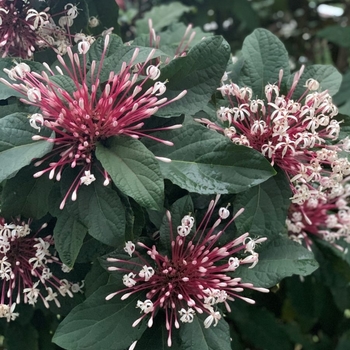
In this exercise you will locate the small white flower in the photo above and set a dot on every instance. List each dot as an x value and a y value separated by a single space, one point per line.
34 94
187 316
93 22
129 247
88 178
153 72
312 84
83 47
214 316
34 119
147 272
233 263
159 87
72 10
224 213
183 230
128 280
145 306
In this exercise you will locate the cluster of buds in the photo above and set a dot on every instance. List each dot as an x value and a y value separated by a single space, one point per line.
25 274
23 29
300 136
83 117
197 276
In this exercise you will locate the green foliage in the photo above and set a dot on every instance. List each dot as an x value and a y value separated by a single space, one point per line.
205 162
264 56
17 148
134 170
279 257
98 323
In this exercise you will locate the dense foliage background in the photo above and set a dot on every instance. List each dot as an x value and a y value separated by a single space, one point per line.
307 307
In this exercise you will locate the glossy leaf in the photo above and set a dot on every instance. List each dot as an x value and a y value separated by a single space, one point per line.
26 195
279 257
265 207
264 56
205 162
199 72
101 324
17 149
195 336
133 169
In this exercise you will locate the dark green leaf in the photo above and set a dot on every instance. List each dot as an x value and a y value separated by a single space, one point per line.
259 327
336 34
69 235
26 195
265 207
161 16
95 278
99 208
206 162
17 149
134 170
279 257
28 339
195 336
328 77
264 56
101 324
199 72
114 45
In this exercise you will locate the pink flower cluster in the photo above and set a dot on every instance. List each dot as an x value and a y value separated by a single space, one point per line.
195 278
88 111
25 274
298 135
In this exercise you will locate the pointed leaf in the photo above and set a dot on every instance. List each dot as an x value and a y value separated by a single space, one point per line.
17 149
133 169
195 336
199 72
279 257
206 162
265 207
26 195
101 324
264 56
328 77
97 207
69 235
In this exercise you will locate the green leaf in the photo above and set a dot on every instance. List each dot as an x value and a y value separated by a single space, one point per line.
64 82
336 34
161 16
26 195
101 324
279 257
194 336
265 207
259 327
328 77
69 235
264 56
99 208
17 149
114 45
156 337
342 96
95 278
199 72
133 169
206 162
28 339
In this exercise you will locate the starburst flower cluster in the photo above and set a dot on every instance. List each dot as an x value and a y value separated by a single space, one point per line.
84 114
195 278
327 218
301 137
25 274
291 133
24 30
